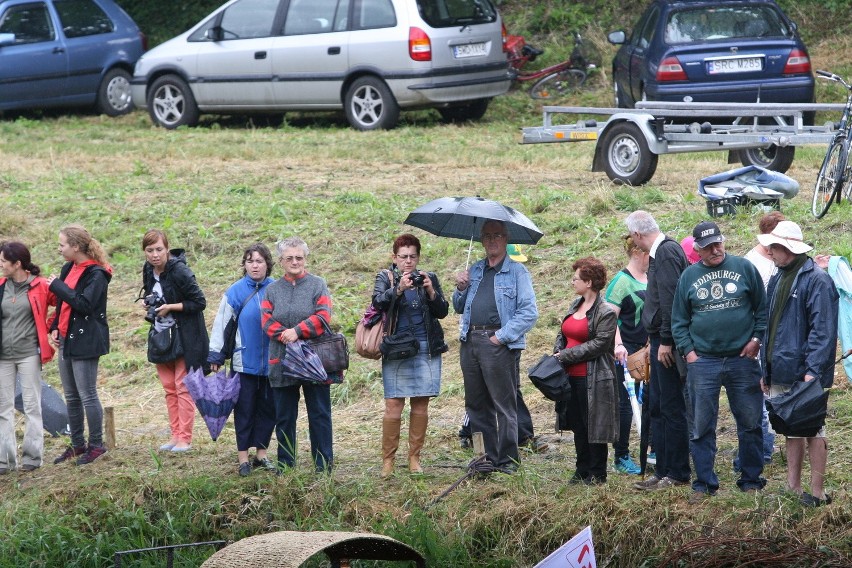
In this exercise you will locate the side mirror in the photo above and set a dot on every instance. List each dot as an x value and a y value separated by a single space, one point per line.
7 39
214 34
617 37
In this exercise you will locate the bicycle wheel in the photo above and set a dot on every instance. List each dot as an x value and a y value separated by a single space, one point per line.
829 178
558 84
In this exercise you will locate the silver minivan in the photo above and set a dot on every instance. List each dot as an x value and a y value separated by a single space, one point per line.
370 58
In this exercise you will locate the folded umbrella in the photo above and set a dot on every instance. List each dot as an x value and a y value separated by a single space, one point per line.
301 362
800 411
214 396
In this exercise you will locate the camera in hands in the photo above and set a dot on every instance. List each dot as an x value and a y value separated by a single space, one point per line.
152 301
417 278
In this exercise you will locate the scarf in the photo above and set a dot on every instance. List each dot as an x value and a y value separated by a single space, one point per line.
782 294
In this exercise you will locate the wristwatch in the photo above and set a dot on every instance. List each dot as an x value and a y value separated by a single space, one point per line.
757 340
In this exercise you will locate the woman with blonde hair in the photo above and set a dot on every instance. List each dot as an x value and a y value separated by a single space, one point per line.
81 334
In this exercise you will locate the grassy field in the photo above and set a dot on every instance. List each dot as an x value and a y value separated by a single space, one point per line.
221 186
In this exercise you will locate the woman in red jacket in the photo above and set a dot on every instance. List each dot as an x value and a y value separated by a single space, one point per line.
24 346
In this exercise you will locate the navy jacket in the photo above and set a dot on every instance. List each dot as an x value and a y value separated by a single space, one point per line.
806 337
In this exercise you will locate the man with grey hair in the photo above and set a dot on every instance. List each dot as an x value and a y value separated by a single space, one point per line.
497 305
667 393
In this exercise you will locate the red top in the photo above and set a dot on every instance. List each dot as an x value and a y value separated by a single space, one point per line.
576 331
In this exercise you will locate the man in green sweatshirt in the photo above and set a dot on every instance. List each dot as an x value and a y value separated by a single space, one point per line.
718 318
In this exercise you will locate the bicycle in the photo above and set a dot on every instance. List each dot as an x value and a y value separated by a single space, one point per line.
834 180
556 80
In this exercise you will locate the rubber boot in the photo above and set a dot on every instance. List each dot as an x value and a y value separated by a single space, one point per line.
416 436
390 443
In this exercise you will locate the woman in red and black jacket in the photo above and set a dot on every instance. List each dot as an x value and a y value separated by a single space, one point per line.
81 334
24 347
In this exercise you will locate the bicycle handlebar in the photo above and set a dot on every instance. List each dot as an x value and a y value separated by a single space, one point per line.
833 77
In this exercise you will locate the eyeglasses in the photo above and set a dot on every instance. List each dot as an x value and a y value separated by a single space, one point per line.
407 256
575 279
293 259
492 236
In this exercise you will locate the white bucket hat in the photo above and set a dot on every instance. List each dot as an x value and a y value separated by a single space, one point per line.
788 235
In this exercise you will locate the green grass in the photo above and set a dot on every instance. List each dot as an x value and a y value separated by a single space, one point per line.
221 186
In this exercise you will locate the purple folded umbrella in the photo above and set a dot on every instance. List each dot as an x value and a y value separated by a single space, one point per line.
214 396
301 362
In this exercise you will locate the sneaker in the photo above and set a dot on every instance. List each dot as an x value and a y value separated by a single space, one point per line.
667 482
535 444
70 452
245 469
698 497
264 463
809 500
652 458
465 443
627 465
93 453
29 467
648 483
4 470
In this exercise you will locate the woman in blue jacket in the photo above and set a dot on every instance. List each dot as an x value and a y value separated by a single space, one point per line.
254 413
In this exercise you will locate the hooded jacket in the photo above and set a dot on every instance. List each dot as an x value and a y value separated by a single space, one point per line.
40 297
179 286
88 330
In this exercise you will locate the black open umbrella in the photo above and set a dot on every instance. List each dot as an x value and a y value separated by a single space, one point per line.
463 218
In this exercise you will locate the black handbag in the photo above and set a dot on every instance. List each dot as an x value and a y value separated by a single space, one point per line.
164 346
400 345
332 349
550 378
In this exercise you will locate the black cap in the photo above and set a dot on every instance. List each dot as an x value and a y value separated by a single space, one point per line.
706 233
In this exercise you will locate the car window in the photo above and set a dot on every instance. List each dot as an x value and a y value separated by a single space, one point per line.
241 20
310 17
372 14
449 13
645 36
82 18
29 22
732 22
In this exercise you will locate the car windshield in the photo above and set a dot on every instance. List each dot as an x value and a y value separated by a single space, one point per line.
707 24
448 13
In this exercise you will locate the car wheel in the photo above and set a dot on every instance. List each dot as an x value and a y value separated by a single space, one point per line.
627 158
114 93
772 158
463 113
171 103
370 105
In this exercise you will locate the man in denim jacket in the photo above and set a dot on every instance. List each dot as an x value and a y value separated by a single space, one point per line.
497 305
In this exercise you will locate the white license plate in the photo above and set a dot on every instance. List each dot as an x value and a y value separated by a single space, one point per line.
738 65
469 50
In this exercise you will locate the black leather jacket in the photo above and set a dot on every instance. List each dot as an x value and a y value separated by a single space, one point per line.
384 294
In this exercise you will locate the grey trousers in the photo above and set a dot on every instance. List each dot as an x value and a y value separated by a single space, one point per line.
79 382
29 368
490 385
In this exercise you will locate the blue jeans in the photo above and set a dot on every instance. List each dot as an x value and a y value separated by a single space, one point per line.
318 405
741 378
669 426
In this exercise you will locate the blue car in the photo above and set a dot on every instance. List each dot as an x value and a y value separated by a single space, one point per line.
63 53
712 51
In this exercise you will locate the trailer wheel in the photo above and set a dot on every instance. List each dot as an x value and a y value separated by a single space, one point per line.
627 158
772 158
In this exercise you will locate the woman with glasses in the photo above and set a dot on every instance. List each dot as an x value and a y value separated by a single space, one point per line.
413 301
294 308
585 346
254 413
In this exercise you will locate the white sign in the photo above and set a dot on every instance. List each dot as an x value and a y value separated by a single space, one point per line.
579 552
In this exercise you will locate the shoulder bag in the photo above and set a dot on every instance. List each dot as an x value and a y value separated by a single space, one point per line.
639 364
164 346
331 348
372 329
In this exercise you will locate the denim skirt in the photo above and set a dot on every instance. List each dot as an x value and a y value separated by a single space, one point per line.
416 376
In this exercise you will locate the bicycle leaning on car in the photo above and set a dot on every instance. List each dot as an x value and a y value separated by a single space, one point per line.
835 176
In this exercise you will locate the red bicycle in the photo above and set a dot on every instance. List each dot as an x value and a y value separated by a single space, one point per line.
551 82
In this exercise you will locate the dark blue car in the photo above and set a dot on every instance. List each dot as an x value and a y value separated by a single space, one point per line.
62 53
712 51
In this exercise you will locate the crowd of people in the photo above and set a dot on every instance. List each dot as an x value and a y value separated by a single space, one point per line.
756 325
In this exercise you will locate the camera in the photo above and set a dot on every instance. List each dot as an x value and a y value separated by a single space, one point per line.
152 302
417 278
